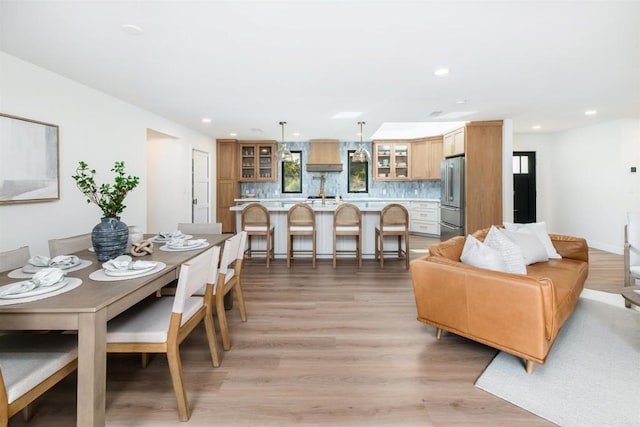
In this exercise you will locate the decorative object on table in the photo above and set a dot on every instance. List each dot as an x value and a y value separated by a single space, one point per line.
135 236
110 236
142 248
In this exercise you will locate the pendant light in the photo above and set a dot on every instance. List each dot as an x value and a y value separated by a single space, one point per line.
361 154
283 151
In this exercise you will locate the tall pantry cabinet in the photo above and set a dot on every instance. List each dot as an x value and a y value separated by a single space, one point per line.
228 187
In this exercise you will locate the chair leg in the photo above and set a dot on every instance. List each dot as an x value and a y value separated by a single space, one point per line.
360 249
211 337
27 412
289 249
376 252
406 250
249 238
145 359
268 248
334 250
399 246
222 320
175 368
381 251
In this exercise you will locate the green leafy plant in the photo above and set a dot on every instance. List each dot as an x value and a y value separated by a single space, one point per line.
108 197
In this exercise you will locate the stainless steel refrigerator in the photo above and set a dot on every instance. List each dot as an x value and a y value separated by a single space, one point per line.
452 198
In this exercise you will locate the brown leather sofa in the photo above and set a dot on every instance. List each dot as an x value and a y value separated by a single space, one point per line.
519 314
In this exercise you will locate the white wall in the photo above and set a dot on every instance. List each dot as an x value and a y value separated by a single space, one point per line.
95 128
585 187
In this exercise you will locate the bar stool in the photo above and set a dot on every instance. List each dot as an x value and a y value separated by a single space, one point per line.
347 221
256 222
394 221
301 221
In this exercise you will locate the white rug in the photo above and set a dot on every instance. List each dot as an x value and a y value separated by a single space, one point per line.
592 374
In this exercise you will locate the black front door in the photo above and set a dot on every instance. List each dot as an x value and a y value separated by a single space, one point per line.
524 186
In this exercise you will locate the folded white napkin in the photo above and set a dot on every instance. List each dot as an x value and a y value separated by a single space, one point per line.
182 243
62 261
47 277
170 234
124 262
17 288
39 261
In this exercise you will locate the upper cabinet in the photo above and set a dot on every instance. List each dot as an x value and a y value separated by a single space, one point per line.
257 161
391 161
454 143
426 155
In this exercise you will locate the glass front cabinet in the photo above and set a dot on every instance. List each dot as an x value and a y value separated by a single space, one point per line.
391 161
257 162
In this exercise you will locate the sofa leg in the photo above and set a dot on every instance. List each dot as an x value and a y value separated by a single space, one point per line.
530 366
438 333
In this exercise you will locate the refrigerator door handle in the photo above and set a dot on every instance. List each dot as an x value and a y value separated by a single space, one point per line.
449 182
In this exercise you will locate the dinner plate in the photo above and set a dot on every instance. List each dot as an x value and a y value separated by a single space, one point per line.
184 248
122 273
37 291
29 269
158 239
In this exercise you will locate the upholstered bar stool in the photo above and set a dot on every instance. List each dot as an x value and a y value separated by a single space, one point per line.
394 221
256 222
347 221
301 221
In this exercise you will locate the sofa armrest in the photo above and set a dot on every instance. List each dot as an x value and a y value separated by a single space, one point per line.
571 247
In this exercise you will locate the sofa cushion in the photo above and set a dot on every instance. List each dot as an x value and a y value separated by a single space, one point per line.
540 230
511 253
532 248
479 255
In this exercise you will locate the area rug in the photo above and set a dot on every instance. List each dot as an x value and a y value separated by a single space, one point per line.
592 374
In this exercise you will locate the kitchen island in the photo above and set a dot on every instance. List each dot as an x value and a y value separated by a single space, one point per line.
278 209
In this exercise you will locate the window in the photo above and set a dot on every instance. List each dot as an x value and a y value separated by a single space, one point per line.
358 175
520 165
292 173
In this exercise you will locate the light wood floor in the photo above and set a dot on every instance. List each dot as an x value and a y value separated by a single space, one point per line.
322 347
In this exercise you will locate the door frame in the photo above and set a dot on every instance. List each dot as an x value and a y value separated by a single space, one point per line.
195 151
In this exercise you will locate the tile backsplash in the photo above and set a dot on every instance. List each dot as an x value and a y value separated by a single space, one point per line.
336 182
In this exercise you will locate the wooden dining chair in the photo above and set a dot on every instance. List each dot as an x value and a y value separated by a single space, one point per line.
159 325
394 221
16 258
190 228
256 222
347 221
301 221
228 279
69 245
30 364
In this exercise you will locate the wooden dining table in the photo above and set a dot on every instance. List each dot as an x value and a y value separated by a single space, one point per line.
87 309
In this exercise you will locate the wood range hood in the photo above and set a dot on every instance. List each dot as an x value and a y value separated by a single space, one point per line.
324 156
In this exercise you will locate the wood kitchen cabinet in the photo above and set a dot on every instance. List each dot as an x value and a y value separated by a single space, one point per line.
227 185
391 161
454 143
257 161
426 155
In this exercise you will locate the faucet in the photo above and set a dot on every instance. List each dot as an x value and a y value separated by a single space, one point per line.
322 179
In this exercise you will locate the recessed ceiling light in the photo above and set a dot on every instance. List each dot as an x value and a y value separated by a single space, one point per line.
296 134
441 72
536 127
132 30
462 101
206 120
590 113
347 115
256 130
233 134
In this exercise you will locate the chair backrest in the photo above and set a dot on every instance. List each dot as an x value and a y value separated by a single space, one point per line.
190 228
394 214
347 214
69 245
254 214
632 237
193 275
232 256
15 258
301 214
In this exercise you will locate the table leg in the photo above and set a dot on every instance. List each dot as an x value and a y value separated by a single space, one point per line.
92 368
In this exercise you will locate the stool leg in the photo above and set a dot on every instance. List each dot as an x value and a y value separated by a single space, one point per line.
360 250
289 245
268 247
334 250
313 248
406 249
381 250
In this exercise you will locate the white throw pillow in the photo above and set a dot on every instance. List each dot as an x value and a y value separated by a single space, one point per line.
479 255
540 230
532 248
511 253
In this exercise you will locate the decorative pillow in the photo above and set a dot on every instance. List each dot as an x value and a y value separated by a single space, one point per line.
511 253
532 248
479 255
540 230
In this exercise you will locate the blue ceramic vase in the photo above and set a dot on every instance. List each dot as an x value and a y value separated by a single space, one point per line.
109 238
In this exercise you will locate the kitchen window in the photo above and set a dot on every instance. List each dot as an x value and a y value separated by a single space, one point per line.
358 175
292 173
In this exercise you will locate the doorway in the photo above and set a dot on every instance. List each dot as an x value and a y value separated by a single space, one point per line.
524 186
200 184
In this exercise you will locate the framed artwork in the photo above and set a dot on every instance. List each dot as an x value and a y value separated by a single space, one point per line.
358 175
29 167
292 173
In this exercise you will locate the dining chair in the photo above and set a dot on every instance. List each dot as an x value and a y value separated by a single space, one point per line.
632 251
347 221
394 221
228 279
301 221
190 228
69 245
159 325
16 258
256 222
30 364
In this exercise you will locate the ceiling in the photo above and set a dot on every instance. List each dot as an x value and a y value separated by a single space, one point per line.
248 65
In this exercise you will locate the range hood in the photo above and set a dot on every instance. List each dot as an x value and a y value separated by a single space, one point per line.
324 156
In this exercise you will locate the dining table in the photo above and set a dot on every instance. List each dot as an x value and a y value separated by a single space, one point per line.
87 309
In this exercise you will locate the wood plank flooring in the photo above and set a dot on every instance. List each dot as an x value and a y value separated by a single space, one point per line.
322 347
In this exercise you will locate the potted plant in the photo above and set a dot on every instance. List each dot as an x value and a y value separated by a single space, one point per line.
110 236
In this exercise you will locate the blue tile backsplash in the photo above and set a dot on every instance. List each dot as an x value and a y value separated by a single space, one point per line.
336 182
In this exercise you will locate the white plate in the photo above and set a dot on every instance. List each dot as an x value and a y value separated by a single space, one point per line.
184 248
37 291
158 239
121 273
31 269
